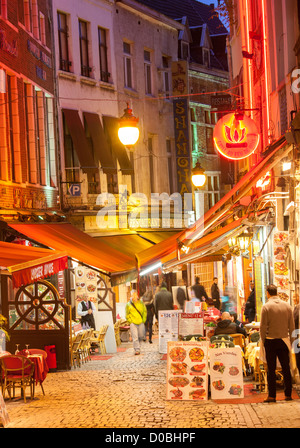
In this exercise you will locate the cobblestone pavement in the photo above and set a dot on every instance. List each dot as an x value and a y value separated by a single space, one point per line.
128 391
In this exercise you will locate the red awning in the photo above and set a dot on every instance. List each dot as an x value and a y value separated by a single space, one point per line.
29 264
77 245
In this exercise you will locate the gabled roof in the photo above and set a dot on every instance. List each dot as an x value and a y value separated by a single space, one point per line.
197 13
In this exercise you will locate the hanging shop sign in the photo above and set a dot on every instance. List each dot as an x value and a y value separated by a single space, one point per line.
182 146
187 370
236 136
40 271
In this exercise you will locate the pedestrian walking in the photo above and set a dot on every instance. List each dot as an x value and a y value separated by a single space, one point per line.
199 290
149 302
163 300
296 312
85 310
181 294
276 328
250 307
215 293
136 315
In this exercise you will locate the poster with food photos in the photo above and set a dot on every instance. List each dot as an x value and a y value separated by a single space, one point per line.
85 284
226 373
187 371
281 271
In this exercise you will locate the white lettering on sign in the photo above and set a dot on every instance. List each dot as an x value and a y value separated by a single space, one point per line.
42 271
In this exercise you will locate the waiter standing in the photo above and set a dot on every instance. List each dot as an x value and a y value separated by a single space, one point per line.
86 309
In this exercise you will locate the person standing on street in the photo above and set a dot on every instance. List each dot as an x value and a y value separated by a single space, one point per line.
199 290
296 312
215 293
250 307
276 328
86 310
163 300
181 297
149 302
136 315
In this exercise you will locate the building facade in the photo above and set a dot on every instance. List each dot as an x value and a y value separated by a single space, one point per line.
28 154
263 44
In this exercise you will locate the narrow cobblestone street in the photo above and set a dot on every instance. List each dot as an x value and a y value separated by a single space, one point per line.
127 391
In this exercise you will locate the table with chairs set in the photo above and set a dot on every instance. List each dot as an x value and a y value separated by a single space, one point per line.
24 370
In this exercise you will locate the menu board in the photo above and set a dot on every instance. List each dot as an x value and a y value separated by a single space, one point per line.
187 372
226 373
190 323
86 284
281 271
167 328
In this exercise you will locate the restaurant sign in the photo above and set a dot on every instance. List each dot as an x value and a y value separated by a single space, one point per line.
182 146
236 136
40 271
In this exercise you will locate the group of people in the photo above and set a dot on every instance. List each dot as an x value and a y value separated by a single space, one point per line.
140 312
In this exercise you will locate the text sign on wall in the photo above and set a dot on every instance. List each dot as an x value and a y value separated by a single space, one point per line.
182 146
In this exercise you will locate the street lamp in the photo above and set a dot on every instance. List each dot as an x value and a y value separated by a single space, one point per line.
128 132
198 176
243 240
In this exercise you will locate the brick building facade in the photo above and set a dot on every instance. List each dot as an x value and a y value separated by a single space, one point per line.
28 159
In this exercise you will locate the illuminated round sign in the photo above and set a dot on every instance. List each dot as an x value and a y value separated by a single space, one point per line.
236 136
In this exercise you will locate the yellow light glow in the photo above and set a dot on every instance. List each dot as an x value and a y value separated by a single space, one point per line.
128 135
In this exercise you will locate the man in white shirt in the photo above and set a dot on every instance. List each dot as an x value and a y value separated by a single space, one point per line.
276 328
85 309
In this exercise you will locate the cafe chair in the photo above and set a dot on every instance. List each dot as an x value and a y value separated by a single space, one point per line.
99 339
17 372
117 334
75 350
254 337
239 339
85 345
222 340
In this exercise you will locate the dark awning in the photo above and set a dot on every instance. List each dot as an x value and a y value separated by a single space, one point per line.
111 124
101 147
80 142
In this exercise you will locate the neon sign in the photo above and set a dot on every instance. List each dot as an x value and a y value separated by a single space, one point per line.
236 136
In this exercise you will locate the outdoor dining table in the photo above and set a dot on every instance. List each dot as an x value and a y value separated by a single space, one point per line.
41 369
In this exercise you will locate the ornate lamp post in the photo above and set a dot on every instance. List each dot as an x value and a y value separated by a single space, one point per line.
198 176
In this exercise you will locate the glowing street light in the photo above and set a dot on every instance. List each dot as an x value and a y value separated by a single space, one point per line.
198 176
128 132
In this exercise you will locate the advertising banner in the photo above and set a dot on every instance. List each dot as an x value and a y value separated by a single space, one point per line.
86 285
226 373
187 371
281 270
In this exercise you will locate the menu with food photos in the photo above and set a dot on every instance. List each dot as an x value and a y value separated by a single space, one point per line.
86 284
187 370
281 270
226 373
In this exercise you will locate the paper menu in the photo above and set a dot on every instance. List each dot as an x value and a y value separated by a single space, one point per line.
226 373
167 328
187 370
190 323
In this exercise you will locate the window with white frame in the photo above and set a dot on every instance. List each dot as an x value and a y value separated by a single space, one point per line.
213 189
84 49
166 76
63 42
147 67
127 54
103 54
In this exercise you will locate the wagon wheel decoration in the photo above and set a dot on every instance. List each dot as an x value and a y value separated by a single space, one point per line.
102 291
37 304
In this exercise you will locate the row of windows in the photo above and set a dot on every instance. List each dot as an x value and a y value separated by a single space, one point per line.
65 62
39 135
32 18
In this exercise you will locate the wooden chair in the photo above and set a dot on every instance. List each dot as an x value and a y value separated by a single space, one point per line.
117 334
239 339
222 340
86 344
17 372
99 339
75 350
